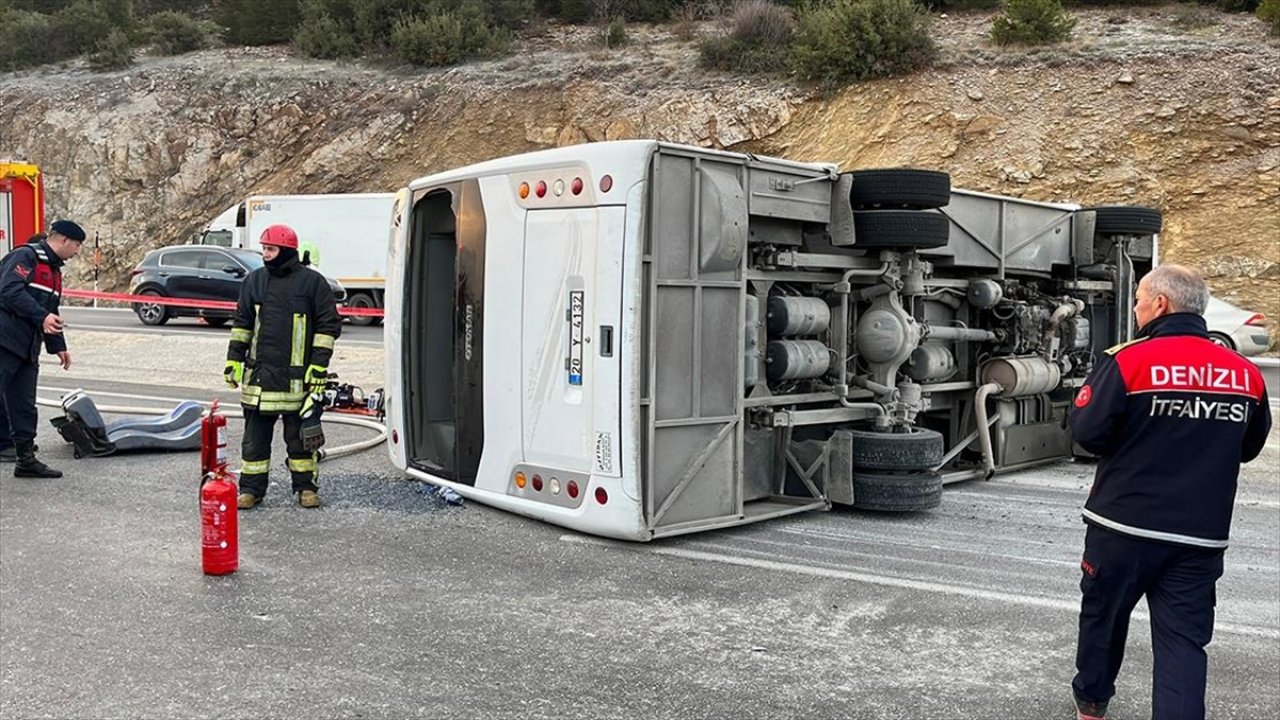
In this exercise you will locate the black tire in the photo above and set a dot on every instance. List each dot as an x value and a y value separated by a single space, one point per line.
897 492
906 229
1127 220
1223 340
361 300
216 321
919 449
900 188
151 314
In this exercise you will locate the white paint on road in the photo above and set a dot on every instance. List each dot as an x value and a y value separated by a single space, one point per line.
780 563
131 396
196 333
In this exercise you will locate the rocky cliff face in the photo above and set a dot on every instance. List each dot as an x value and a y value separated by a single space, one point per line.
1136 110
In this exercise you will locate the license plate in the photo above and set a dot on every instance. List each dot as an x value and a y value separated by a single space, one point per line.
575 337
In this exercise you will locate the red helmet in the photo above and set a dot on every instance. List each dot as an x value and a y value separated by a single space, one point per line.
280 236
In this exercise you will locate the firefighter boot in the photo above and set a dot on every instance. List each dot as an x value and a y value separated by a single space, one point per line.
247 500
29 466
309 499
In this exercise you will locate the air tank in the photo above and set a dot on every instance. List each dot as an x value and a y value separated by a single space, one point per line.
790 315
796 359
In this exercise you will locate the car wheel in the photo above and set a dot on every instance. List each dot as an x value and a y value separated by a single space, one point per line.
365 302
896 492
1126 220
901 229
1222 339
900 188
918 449
151 313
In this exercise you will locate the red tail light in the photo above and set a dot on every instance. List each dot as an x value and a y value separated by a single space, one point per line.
602 496
1258 320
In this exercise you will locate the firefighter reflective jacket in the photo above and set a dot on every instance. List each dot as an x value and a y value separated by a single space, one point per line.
283 324
1172 416
30 289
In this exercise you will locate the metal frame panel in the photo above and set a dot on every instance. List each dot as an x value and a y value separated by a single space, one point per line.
694 307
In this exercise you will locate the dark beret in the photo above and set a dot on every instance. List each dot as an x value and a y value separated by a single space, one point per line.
68 229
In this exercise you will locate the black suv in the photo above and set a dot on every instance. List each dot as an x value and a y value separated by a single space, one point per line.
196 273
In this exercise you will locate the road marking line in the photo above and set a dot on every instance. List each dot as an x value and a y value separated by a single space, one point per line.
195 333
133 396
827 535
890 581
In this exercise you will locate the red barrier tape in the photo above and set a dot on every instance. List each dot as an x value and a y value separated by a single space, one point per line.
184 302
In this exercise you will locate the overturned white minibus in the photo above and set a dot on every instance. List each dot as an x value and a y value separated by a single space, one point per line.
638 339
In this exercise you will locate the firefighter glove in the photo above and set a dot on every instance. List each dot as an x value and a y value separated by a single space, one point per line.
316 377
312 431
233 373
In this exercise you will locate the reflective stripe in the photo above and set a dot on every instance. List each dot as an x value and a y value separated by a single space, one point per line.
38 286
274 401
241 334
257 326
302 464
1154 534
322 341
255 467
278 407
298 348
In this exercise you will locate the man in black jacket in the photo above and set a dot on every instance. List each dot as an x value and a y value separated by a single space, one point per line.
30 292
1172 416
282 338
7 452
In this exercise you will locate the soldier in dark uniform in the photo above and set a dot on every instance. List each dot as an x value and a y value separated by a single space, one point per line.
30 292
7 452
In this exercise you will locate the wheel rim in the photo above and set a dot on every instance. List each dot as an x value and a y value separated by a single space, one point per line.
149 312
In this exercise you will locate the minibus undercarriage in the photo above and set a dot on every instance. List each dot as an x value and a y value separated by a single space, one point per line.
860 339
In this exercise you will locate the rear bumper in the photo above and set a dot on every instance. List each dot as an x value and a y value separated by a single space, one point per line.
1251 340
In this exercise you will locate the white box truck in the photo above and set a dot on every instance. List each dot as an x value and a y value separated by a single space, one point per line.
347 233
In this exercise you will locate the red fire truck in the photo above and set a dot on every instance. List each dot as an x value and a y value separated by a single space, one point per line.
21 203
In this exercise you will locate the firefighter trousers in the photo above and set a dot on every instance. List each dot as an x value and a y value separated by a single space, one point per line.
255 452
1178 582
18 376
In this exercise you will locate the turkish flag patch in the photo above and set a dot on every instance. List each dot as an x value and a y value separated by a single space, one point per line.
22 271
1084 396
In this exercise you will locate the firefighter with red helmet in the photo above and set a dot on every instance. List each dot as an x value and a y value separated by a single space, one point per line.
282 338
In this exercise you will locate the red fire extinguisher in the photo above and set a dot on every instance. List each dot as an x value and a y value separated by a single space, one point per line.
219 531
213 441
219 543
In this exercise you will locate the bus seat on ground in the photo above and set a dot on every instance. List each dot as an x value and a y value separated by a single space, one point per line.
84 427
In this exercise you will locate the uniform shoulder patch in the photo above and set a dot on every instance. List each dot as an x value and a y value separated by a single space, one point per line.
1117 348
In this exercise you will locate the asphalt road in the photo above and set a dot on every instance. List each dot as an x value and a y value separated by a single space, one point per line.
124 320
388 603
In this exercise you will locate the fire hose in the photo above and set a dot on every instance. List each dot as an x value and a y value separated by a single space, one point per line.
323 454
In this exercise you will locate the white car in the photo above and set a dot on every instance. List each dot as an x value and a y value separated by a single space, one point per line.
1237 329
